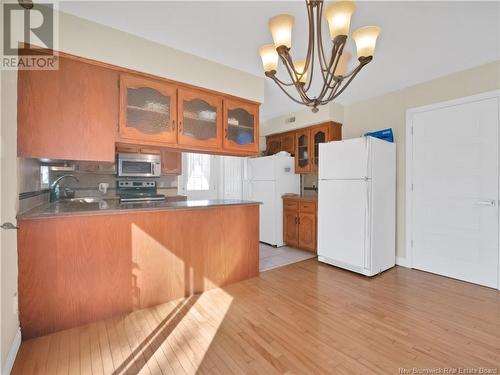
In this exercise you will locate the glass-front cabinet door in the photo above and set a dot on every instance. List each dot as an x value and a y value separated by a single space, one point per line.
302 152
200 119
318 135
148 110
241 126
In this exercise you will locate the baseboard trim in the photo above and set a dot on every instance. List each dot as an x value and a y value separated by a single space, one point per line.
11 356
403 262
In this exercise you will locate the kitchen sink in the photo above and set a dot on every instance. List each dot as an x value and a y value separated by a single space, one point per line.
83 200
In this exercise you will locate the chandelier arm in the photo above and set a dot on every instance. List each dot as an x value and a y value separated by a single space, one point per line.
328 75
362 62
321 52
338 47
287 60
310 46
287 94
336 94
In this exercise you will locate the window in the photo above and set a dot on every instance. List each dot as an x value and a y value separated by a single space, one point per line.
198 172
44 177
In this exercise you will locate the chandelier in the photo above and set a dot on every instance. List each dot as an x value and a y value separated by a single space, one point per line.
335 81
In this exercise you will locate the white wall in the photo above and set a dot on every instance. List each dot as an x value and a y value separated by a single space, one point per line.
389 111
87 39
303 118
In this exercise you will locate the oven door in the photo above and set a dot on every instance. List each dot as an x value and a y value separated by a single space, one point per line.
133 165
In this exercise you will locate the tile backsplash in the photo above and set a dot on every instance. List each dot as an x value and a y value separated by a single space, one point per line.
89 174
309 181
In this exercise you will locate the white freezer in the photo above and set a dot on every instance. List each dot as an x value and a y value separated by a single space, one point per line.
347 159
268 178
357 205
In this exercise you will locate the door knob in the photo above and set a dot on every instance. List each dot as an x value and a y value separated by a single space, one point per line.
486 203
8 225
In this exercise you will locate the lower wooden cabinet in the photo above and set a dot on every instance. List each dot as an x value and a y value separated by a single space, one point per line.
291 228
299 222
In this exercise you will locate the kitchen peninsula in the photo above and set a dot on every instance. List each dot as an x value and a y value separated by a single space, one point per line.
144 255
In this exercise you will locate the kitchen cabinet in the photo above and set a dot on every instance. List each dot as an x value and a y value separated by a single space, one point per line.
68 114
303 151
241 132
299 222
290 222
171 162
273 144
108 264
79 112
288 143
200 119
319 134
304 144
147 109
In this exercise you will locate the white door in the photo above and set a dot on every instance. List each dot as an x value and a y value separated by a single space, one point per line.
455 191
263 191
344 159
342 221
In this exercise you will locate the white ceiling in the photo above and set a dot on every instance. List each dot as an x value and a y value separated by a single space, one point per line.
420 40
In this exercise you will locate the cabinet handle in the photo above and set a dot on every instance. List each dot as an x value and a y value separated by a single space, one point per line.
173 125
298 220
180 126
225 133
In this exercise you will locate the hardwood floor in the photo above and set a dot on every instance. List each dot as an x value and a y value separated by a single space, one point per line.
306 318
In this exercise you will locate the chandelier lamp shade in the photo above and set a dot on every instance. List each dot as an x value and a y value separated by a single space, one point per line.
332 68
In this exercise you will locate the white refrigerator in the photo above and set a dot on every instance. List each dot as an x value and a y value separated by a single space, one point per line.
268 179
357 205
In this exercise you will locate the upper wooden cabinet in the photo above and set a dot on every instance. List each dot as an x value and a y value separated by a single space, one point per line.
81 110
241 131
147 109
288 142
273 144
304 144
171 162
319 134
70 113
303 151
200 119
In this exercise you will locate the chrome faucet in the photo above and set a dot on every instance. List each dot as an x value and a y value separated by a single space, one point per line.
55 189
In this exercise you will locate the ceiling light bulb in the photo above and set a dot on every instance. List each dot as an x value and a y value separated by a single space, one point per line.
338 15
299 67
269 57
366 39
281 29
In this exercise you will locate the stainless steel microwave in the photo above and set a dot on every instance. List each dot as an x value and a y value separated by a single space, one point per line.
138 165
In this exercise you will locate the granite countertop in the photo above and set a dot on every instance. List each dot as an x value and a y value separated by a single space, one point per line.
109 206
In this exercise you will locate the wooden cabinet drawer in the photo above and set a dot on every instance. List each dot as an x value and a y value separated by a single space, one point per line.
290 205
307 207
